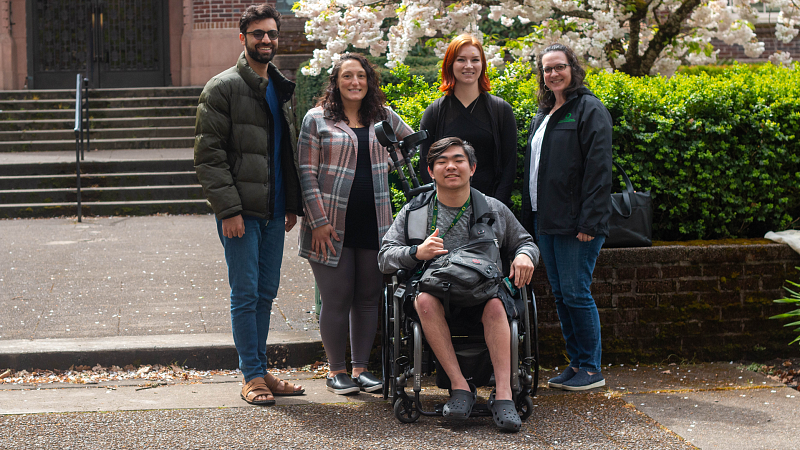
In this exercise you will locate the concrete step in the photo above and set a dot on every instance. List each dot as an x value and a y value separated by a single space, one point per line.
105 180
49 94
120 167
102 194
96 103
97 123
135 208
100 133
97 144
98 113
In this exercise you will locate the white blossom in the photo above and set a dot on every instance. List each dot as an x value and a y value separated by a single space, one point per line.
588 26
780 58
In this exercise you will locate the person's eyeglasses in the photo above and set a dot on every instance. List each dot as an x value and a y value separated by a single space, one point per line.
259 34
557 68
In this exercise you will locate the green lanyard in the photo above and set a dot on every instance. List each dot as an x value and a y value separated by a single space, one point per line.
436 215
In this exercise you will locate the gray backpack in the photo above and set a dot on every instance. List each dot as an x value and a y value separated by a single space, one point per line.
471 274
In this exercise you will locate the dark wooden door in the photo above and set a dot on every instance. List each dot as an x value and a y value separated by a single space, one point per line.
116 43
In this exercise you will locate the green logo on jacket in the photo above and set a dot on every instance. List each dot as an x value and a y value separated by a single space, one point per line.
566 119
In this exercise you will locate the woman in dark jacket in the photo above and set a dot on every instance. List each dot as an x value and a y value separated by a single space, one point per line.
567 204
469 112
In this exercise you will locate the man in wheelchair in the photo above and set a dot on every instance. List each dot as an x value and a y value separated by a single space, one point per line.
409 243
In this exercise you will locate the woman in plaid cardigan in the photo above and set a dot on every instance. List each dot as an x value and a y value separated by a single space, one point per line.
346 198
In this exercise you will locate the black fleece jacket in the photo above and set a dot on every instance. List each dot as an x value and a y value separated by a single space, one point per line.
574 186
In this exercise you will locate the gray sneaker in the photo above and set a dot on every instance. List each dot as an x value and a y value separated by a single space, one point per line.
558 381
583 381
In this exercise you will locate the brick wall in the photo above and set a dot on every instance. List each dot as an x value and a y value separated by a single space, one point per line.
216 14
765 33
682 302
219 13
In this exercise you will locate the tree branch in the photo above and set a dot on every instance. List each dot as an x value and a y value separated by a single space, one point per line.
633 61
666 33
575 13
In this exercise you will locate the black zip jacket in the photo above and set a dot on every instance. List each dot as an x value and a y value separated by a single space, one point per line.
574 186
504 133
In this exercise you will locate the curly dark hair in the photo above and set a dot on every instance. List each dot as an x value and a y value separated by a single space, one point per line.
255 13
372 106
546 97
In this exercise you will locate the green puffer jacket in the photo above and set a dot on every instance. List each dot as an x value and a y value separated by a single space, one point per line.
233 143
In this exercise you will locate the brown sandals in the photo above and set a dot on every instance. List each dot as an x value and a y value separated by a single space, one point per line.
255 388
274 385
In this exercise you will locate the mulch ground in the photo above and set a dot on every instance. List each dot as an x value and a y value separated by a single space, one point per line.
787 371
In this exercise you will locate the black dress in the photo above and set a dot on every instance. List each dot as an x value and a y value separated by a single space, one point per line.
496 155
361 219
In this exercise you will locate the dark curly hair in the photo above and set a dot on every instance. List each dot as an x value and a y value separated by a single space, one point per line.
372 106
546 97
255 13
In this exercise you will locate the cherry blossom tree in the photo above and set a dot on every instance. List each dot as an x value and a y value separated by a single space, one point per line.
638 37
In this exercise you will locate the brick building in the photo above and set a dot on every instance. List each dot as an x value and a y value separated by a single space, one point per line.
129 43
765 32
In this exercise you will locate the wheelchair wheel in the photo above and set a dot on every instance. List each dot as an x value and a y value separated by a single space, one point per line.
406 411
525 408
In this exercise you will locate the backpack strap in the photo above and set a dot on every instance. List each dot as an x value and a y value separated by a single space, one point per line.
417 218
480 207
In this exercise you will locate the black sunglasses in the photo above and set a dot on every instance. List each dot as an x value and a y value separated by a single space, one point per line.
259 34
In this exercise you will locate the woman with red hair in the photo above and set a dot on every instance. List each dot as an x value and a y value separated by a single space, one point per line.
469 112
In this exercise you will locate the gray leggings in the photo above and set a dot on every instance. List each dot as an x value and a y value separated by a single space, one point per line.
350 295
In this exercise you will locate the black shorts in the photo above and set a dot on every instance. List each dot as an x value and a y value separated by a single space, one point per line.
466 320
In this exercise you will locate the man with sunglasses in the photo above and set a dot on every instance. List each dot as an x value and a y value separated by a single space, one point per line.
244 158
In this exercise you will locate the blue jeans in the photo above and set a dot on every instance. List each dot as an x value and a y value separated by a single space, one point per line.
254 270
570 263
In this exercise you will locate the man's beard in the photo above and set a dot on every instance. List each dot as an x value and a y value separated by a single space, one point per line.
253 53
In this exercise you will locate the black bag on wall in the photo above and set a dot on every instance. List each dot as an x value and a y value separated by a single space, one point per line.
631 223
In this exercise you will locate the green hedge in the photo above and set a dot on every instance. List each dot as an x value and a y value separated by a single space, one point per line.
718 69
720 154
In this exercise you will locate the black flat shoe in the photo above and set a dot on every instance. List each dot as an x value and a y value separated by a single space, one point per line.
342 384
368 382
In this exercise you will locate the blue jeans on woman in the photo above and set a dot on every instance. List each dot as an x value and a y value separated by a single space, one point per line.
570 263
254 270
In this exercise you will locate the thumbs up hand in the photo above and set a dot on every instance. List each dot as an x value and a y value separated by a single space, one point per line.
432 247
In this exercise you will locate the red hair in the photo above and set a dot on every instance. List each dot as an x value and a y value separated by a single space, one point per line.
448 79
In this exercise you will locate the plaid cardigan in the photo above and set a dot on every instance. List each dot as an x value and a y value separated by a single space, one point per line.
326 159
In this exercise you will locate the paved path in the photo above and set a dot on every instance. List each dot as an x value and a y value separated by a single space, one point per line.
705 406
156 280
110 290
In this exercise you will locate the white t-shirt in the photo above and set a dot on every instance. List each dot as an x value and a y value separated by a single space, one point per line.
536 152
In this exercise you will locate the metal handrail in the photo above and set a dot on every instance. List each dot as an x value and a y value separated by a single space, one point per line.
81 121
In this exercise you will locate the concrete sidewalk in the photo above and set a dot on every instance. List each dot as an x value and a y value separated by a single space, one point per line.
154 289
708 406
124 289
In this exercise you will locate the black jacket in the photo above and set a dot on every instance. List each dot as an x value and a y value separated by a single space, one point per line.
574 186
504 132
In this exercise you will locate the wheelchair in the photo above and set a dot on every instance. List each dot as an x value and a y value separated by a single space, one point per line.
405 355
